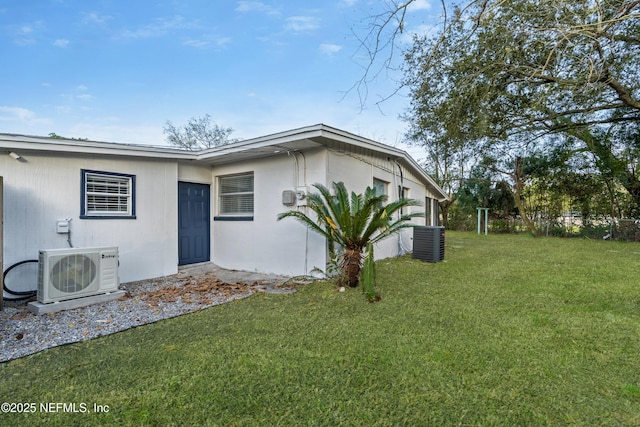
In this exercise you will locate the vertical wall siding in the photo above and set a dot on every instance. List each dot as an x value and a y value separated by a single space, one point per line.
45 188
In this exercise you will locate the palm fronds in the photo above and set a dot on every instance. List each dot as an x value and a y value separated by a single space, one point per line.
352 221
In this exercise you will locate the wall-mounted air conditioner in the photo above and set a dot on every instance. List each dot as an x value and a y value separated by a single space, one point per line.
76 272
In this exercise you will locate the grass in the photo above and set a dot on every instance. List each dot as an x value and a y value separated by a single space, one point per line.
509 330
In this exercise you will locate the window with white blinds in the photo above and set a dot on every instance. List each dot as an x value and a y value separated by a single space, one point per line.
235 195
107 195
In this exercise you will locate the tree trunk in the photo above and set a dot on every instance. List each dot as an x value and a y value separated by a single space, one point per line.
444 208
518 198
351 266
633 188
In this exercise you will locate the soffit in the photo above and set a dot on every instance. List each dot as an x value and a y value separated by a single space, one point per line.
237 153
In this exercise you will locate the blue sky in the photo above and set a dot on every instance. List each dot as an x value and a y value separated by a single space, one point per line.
113 70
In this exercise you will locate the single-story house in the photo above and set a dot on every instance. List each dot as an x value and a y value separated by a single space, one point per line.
164 207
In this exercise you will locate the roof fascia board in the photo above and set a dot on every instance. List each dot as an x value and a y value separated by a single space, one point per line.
261 142
31 143
398 154
308 132
322 130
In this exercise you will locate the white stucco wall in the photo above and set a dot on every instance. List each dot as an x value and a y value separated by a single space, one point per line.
358 170
44 188
190 172
265 244
287 247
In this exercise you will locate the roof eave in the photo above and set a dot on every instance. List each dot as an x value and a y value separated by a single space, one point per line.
59 145
313 133
397 153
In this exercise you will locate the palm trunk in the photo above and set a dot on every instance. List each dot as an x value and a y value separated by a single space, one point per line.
351 266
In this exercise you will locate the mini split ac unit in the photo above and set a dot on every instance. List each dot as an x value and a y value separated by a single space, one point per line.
76 272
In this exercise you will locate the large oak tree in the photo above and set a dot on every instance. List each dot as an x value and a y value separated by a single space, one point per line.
505 74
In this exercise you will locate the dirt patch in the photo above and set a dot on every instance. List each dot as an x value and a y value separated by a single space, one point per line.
197 290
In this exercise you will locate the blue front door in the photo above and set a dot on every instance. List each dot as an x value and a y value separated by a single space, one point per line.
193 223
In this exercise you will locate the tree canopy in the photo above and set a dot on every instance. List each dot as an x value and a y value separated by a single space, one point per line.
198 134
502 76
504 67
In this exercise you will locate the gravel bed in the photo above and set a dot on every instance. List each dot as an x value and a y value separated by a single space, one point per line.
23 333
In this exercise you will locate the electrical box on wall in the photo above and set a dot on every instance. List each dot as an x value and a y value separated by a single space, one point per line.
301 195
288 197
62 227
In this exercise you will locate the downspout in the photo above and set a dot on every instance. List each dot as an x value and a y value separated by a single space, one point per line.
306 237
399 190
304 183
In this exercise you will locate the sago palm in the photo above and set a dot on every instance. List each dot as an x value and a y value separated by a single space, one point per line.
353 221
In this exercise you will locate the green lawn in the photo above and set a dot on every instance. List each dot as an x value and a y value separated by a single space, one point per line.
509 330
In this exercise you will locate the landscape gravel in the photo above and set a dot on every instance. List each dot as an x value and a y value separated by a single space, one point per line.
23 333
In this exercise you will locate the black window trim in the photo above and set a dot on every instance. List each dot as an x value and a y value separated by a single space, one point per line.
83 188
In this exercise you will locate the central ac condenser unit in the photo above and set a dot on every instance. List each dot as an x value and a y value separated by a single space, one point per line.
65 274
428 243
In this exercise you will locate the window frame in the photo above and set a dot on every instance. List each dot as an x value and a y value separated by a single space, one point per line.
428 210
384 184
403 193
86 213
235 216
432 211
436 212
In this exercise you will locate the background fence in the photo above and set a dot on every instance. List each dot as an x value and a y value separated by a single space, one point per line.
569 225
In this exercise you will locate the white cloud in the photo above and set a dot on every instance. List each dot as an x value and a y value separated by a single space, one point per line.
21 115
302 23
419 5
25 34
16 113
160 27
95 19
420 31
61 43
201 44
256 6
330 49
348 3
215 42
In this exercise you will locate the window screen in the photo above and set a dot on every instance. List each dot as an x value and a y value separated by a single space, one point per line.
106 194
236 194
428 211
436 212
404 193
380 187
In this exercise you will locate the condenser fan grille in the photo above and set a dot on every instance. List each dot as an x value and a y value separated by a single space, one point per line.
73 273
